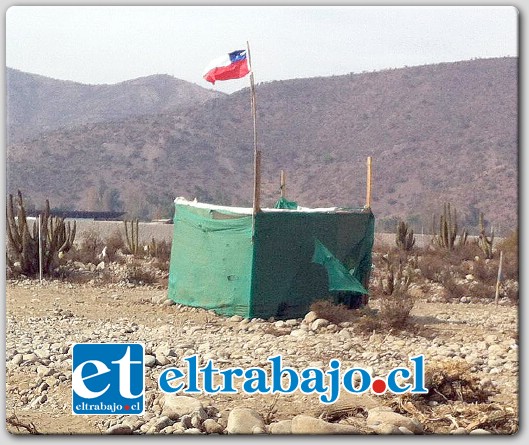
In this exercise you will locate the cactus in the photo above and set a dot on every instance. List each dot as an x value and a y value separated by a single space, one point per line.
152 248
131 236
485 242
446 234
404 237
397 282
23 243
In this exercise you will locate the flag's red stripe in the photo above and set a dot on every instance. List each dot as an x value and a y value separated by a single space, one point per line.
234 70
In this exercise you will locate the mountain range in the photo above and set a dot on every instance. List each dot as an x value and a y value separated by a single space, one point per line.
436 133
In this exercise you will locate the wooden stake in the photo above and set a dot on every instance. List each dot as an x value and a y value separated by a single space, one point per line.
499 278
282 186
368 187
40 249
256 153
257 183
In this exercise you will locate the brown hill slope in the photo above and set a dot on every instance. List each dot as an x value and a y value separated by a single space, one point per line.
436 132
36 103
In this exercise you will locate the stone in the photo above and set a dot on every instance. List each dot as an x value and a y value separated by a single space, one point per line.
100 266
165 350
385 428
162 423
404 430
119 429
42 387
210 426
38 400
177 406
310 317
298 333
43 371
281 427
319 323
302 424
192 431
459 430
244 421
17 359
187 421
162 360
480 431
383 415
31 358
235 318
150 361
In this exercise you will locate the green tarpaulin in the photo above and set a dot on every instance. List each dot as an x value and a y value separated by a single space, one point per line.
295 257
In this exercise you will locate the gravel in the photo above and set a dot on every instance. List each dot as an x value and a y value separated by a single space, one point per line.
41 347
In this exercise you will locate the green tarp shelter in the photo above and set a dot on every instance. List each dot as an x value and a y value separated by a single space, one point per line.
295 257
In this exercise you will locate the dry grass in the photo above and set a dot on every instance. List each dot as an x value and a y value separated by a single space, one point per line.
452 380
335 313
456 398
137 273
395 309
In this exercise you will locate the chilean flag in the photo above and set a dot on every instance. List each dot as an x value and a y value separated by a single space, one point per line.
231 66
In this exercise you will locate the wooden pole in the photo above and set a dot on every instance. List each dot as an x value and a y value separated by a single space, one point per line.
368 185
256 154
282 186
257 183
40 249
496 297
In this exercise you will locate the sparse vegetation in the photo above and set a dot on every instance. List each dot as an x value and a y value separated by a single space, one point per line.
484 241
132 236
445 234
395 301
30 250
404 237
137 273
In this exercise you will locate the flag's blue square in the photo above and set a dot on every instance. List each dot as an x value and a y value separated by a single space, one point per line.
108 378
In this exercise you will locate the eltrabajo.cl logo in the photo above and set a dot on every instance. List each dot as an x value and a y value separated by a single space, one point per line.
108 378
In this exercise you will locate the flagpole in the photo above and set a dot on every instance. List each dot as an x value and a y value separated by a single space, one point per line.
256 153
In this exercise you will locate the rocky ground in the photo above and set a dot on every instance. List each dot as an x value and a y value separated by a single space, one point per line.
473 348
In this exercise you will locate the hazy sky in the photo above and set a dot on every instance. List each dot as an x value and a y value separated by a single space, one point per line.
103 44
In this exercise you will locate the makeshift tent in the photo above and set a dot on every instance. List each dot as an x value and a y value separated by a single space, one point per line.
295 256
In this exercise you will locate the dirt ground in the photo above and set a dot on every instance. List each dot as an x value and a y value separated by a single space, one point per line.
94 304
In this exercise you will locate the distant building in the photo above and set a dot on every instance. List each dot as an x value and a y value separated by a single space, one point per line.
81 214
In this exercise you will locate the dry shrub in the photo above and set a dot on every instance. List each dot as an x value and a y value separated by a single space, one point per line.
431 264
162 265
509 244
454 289
463 253
452 380
481 290
395 309
163 251
367 321
113 243
395 301
88 249
335 313
509 247
364 319
137 273
486 272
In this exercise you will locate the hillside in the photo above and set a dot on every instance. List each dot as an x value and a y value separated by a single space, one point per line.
436 132
36 103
